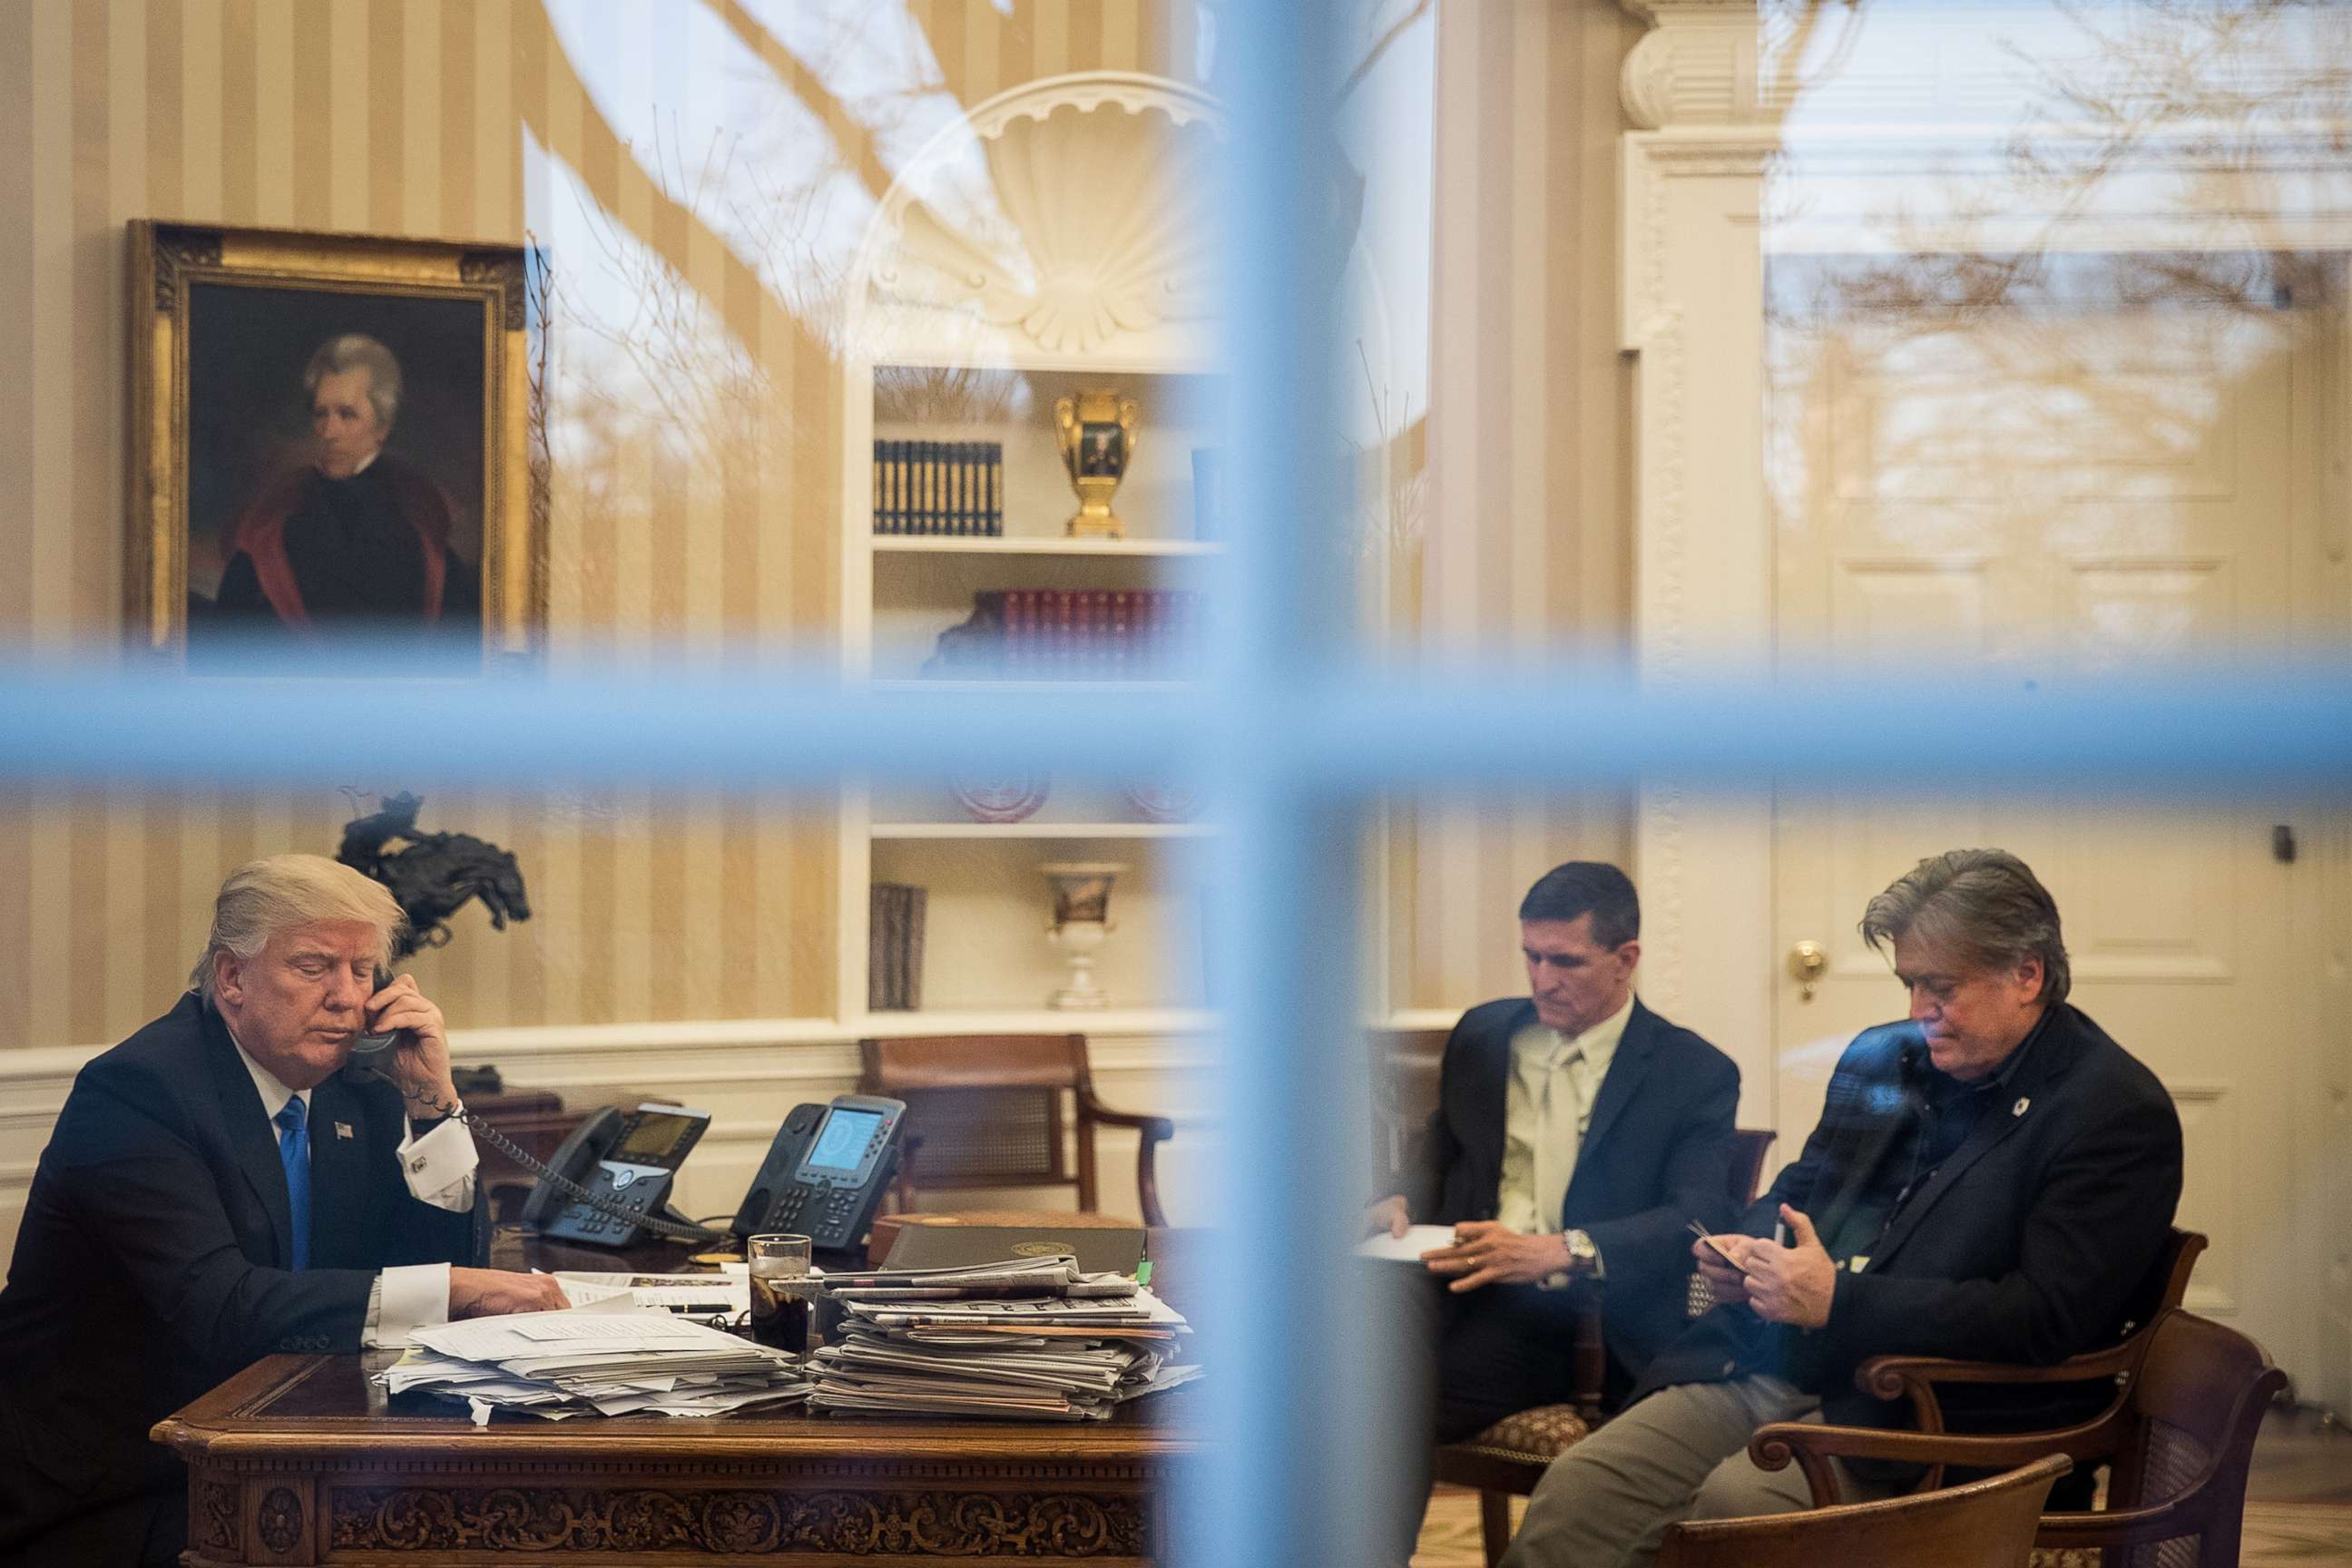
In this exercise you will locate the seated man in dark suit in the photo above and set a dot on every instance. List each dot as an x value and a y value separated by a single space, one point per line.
1577 1135
1991 1179
216 1189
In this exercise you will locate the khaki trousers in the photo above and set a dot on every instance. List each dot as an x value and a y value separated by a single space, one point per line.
1680 1454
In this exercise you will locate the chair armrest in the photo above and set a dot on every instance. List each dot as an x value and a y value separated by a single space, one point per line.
2167 1521
1813 1445
1154 1128
1915 1377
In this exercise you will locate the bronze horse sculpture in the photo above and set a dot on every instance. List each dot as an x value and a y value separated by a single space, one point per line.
433 874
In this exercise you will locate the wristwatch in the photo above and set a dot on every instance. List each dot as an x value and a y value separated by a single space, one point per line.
1581 1254
1583 1258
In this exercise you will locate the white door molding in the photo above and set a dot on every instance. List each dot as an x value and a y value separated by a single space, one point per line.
1719 146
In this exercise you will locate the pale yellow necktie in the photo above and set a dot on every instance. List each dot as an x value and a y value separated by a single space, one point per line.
1557 1110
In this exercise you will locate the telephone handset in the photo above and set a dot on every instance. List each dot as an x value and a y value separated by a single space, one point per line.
609 1200
826 1171
368 1045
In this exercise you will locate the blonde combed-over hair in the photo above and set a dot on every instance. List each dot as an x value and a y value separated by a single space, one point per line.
278 892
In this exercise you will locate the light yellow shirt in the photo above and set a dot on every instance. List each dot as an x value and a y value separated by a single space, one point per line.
1547 1108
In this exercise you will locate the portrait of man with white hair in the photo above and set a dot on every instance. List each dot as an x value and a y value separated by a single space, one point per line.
357 539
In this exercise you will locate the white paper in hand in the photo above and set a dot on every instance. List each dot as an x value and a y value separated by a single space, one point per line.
1407 1248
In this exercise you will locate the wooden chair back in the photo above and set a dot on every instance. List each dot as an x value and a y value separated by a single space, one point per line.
1748 1146
1985 1524
2181 1446
2180 1435
1406 1064
993 1111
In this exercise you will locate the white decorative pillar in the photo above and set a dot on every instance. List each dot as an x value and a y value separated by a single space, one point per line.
1697 66
1693 319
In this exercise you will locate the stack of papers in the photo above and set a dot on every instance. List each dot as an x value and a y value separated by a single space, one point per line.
1407 1248
1025 1339
631 1362
726 1295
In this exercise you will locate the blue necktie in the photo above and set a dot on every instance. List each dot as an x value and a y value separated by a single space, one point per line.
294 1154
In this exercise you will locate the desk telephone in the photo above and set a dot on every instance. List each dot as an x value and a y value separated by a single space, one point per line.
824 1173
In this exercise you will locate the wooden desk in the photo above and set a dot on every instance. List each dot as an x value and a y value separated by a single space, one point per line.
299 1460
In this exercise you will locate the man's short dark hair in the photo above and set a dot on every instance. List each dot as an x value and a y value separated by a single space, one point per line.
1984 906
1592 888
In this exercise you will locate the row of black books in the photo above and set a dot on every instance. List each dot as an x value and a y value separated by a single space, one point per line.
949 488
893 954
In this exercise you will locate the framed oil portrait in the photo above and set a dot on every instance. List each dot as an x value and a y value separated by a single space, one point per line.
334 448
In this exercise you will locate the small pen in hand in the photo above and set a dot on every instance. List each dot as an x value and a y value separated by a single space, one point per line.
1721 1251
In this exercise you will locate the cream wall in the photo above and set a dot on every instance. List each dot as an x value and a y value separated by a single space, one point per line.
681 946
1529 542
417 117
686 945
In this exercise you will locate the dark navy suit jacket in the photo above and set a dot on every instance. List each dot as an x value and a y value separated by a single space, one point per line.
1656 1154
2031 1242
153 1263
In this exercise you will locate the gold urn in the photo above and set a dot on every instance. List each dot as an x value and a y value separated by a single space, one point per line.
1096 431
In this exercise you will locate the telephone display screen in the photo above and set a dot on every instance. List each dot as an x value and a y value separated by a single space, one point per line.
656 1139
842 1143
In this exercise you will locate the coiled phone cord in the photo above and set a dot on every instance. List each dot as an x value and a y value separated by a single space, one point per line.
674 1229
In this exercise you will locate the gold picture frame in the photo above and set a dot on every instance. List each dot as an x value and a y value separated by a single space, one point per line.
230 335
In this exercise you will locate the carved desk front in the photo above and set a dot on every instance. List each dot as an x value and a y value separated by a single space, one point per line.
297 1460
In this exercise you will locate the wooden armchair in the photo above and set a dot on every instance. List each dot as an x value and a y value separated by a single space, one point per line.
2180 1435
1510 1457
986 1111
1986 1524
1916 1378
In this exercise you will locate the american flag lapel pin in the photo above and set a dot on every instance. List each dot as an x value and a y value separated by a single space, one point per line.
343 1129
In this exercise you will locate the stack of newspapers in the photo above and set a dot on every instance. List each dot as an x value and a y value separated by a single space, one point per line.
631 1362
1025 1340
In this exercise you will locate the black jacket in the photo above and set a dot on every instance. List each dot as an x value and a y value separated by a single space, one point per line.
1655 1155
2028 1243
151 1264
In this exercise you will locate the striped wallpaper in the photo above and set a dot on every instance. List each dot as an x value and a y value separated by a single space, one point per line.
473 119
1529 541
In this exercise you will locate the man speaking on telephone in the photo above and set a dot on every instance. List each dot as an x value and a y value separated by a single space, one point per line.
216 1189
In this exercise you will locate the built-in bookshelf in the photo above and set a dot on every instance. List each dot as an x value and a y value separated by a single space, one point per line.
1051 612
945 358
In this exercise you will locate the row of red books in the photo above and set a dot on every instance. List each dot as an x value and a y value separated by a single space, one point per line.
1076 633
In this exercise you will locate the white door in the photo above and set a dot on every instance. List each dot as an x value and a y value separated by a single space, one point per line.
2049 489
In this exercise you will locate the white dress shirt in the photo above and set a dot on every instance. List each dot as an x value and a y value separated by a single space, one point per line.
439 1169
1547 1108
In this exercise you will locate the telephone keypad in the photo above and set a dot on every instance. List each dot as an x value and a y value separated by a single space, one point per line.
633 1189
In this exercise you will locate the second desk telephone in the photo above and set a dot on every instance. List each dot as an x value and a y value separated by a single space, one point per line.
826 1172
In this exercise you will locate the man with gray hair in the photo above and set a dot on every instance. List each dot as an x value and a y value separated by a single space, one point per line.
1991 1179
218 1189
357 541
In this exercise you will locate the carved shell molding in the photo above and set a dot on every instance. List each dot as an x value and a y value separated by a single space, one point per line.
434 1521
1071 211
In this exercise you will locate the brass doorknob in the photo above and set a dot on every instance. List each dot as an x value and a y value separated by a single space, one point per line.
1806 962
